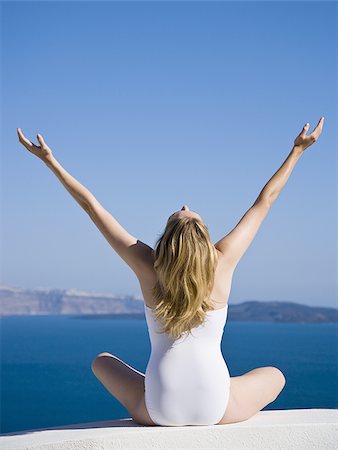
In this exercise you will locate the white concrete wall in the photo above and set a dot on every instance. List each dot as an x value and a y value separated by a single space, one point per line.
301 429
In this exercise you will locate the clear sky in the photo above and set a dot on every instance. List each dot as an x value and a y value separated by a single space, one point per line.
152 105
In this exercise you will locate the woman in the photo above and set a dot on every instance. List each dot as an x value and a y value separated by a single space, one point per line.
185 281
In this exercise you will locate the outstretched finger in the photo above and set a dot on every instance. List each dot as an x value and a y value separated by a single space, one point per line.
23 139
304 130
319 124
317 131
41 141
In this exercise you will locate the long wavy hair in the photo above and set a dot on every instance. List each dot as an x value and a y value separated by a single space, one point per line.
185 261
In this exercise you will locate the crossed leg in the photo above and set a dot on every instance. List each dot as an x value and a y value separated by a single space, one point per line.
125 383
251 392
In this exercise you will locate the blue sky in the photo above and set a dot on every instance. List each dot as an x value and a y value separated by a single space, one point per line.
152 105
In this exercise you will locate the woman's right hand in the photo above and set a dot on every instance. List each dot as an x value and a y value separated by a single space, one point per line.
43 151
302 141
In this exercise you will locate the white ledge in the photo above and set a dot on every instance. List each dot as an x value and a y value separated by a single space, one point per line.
301 429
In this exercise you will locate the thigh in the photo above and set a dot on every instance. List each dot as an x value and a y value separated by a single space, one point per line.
125 383
251 392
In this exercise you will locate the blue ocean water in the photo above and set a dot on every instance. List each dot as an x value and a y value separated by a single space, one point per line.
46 377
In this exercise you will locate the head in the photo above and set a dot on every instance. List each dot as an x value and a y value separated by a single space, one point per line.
185 263
184 212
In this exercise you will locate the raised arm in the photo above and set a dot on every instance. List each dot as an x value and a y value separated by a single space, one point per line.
234 244
135 253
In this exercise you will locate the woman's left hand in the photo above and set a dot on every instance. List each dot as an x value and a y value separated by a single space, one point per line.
303 141
43 151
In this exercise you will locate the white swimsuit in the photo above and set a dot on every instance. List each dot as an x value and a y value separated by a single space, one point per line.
187 381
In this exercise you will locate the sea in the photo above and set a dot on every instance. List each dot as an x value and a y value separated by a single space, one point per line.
46 376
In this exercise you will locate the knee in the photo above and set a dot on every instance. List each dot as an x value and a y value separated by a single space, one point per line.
103 354
99 358
279 376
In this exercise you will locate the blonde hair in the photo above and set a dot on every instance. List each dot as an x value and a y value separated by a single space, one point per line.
185 261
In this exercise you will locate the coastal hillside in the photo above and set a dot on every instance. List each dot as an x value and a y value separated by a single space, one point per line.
27 302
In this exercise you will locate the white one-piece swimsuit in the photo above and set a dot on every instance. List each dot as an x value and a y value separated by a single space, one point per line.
187 381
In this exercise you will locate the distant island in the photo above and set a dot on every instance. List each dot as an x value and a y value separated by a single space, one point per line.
44 302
